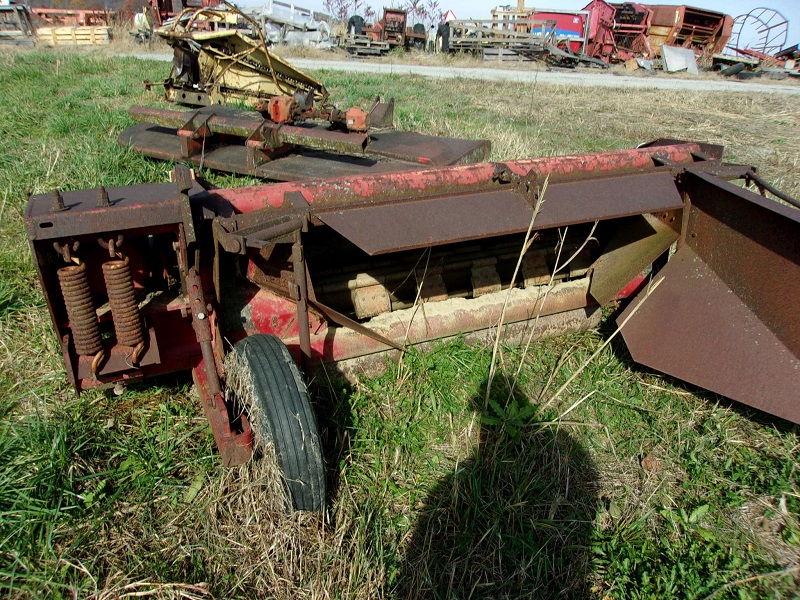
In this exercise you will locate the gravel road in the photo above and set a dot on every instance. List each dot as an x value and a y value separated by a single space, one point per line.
578 77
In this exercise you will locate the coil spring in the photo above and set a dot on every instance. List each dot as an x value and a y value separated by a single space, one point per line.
121 297
82 316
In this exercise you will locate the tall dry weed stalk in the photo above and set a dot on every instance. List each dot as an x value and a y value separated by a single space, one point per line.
652 288
526 244
558 267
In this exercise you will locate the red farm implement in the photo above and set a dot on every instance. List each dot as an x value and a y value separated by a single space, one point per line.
152 279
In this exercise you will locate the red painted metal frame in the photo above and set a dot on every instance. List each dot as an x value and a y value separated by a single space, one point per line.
188 332
631 38
600 41
446 180
335 344
68 17
235 444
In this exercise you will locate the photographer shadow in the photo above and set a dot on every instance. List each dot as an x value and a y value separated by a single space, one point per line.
514 520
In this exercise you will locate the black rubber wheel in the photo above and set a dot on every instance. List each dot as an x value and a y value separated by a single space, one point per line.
283 415
732 70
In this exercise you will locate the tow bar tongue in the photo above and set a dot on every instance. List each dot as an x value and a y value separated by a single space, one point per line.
725 317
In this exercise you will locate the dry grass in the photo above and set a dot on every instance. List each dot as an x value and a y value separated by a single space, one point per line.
465 60
258 543
123 42
542 120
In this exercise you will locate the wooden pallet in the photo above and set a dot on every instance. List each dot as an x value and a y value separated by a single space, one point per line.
75 36
504 55
364 45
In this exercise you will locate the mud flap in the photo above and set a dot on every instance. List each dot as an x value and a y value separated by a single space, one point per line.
726 316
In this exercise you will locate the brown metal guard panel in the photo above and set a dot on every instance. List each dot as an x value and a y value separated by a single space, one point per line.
636 244
404 225
694 328
304 165
396 226
725 316
388 152
427 149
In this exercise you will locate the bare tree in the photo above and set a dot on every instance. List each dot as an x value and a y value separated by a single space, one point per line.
342 10
369 14
428 12
416 11
434 11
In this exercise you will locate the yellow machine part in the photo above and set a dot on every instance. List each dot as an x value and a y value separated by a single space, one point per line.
233 67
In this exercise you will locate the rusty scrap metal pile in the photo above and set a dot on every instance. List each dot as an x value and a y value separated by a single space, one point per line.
648 36
599 34
758 47
619 32
330 265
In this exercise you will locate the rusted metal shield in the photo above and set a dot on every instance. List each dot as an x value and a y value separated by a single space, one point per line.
379 228
410 146
390 151
725 317
395 226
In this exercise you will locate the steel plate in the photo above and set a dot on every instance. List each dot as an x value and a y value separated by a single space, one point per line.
725 316
415 223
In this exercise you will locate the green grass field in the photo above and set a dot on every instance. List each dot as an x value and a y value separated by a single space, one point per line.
648 488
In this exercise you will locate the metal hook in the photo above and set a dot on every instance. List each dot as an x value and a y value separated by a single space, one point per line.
113 246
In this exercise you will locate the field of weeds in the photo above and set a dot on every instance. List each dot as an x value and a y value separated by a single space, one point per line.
627 485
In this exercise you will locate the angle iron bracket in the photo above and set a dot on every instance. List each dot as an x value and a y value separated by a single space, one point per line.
194 133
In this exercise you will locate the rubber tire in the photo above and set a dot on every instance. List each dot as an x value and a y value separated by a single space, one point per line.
288 419
732 70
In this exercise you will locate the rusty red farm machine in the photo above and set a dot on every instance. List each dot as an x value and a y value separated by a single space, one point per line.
152 279
330 264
